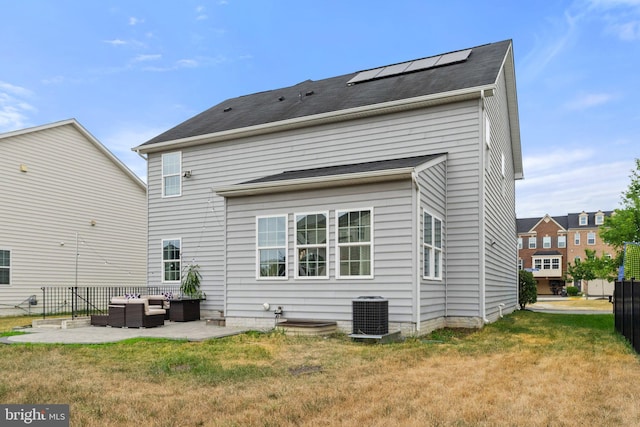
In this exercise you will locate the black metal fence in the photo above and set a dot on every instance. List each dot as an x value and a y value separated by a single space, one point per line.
87 300
626 308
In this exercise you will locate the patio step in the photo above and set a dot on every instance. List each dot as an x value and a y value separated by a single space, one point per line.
217 319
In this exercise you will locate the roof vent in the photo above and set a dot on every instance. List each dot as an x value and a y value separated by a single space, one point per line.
309 93
226 110
281 98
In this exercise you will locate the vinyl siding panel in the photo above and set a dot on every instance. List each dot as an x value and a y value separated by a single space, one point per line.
501 256
69 183
198 215
323 298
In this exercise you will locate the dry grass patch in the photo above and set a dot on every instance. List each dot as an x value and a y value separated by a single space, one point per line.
576 303
529 369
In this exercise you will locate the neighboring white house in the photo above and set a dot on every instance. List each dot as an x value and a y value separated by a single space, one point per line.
395 182
71 212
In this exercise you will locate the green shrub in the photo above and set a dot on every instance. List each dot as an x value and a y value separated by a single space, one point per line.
528 288
572 291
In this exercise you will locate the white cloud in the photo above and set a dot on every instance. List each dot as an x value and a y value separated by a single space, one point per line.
115 42
567 181
144 58
187 63
14 109
589 100
135 21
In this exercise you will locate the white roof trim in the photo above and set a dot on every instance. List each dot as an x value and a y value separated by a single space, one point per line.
325 181
317 119
86 134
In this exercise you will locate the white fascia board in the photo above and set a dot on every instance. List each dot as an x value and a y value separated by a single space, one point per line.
318 119
315 182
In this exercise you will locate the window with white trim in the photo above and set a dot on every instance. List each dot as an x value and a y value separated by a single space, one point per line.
5 267
432 247
562 241
520 243
311 245
584 218
552 263
271 247
354 243
576 239
171 174
171 269
546 242
599 219
532 242
520 264
591 238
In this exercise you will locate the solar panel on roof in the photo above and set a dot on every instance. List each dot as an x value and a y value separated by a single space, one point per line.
410 66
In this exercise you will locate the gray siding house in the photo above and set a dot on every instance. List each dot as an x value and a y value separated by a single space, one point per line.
71 212
395 182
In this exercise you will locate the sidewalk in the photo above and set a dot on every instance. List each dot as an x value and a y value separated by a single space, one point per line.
190 331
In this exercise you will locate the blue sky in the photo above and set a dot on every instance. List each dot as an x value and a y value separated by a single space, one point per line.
129 70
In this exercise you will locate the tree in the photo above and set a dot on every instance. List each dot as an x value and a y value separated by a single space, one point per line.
593 267
624 225
528 289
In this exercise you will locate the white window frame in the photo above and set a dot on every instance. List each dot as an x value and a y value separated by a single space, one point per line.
339 245
546 242
599 219
591 238
520 243
430 249
172 174
6 267
583 220
562 241
284 247
165 261
520 264
298 246
576 239
534 241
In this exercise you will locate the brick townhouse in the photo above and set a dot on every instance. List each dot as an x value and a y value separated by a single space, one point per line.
546 245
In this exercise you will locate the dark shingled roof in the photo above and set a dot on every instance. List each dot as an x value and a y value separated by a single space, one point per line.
574 219
333 94
524 225
543 253
407 162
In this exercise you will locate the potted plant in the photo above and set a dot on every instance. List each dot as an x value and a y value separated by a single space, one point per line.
190 286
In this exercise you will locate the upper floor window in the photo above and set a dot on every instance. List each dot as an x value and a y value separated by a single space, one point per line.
432 247
599 218
591 238
546 242
272 247
584 219
171 174
576 239
520 243
354 243
532 242
171 260
562 241
5 267
311 245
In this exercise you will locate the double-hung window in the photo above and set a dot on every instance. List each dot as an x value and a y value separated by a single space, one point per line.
562 241
591 238
532 242
576 239
5 267
272 247
311 245
354 243
546 242
432 247
171 174
519 242
171 260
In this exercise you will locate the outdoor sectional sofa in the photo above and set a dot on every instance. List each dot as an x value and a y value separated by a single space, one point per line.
134 313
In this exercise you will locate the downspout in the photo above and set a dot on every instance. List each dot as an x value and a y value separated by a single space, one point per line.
416 185
481 212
